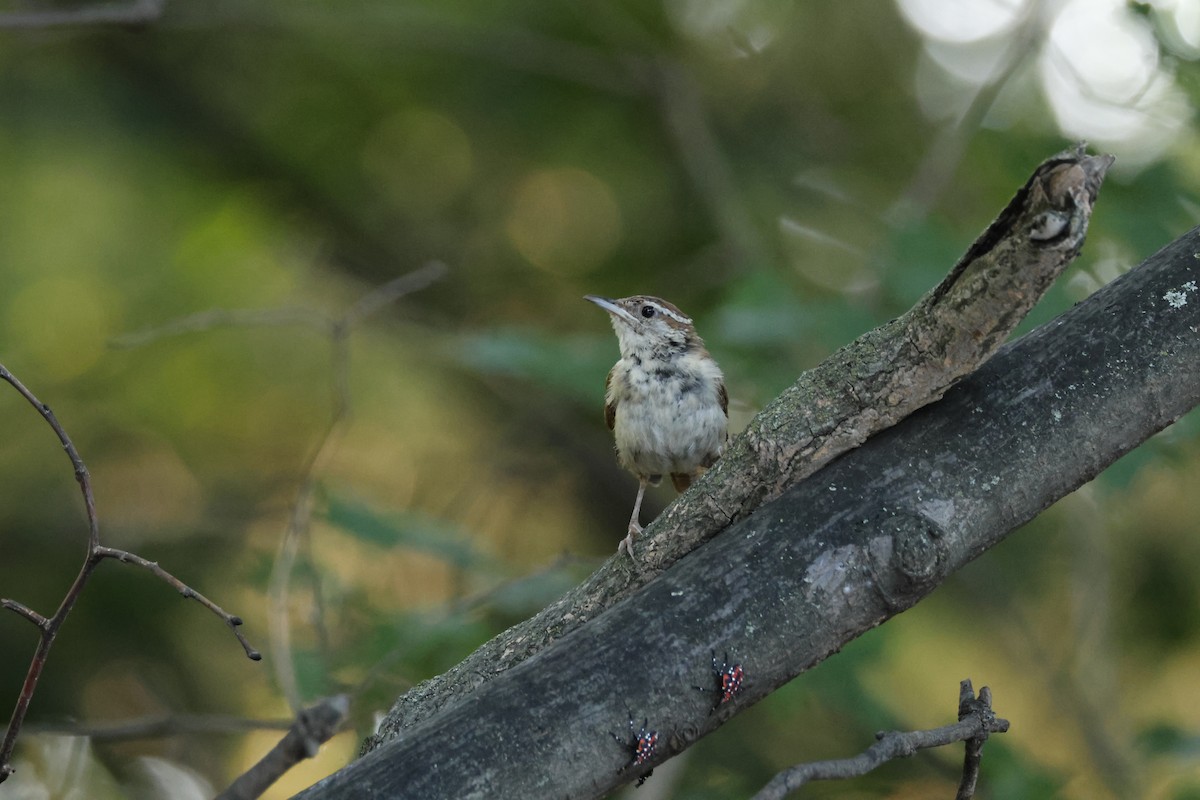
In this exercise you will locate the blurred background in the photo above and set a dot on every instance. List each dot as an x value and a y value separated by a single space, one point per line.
790 174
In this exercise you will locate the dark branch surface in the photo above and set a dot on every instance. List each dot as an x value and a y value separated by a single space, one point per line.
861 389
834 556
976 720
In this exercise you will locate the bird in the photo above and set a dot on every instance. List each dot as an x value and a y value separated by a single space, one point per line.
664 399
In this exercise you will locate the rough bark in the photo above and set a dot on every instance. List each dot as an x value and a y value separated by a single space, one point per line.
861 389
832 557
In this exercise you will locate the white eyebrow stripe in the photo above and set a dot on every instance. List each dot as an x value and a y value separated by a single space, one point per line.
672 314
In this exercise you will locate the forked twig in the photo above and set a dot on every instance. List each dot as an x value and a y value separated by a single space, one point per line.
48 627
294 542
296 537
317 723
976 721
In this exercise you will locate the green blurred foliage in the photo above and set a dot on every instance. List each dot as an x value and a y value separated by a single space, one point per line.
411 531
791 174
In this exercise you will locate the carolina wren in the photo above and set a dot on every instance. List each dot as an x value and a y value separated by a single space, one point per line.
664 400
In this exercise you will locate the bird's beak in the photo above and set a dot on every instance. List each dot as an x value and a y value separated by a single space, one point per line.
611 307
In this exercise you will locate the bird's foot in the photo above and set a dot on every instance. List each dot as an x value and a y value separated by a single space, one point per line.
626 545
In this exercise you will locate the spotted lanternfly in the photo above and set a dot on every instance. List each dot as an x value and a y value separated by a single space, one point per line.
643 745
729 680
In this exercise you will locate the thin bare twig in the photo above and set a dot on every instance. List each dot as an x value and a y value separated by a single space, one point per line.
226 318
159 726
138 12
232 620
686 120
295 543
81 473
313 727
48 627
976 721
316 724
299 522
393 290
25 611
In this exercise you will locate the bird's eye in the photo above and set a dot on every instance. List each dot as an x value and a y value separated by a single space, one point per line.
647 311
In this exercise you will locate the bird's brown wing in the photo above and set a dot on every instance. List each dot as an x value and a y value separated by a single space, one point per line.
610 407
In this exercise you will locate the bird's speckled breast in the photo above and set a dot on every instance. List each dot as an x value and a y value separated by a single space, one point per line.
669 418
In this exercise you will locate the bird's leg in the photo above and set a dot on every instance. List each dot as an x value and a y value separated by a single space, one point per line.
635 528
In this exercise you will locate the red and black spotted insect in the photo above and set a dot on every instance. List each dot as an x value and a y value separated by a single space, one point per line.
729 680
643 745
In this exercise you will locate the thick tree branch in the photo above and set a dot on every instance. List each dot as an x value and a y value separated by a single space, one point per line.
870 384
976 721
834 556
